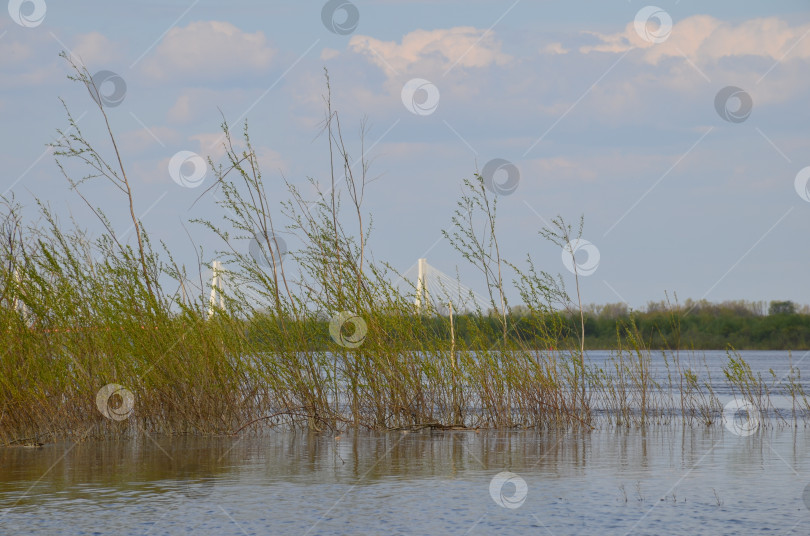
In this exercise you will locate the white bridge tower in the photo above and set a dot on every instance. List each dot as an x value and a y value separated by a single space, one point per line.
217 297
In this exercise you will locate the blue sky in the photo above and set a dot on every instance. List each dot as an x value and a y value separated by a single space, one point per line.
600 116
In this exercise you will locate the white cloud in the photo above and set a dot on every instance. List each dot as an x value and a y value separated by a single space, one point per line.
270 161
554 48
181 111
95 50
597 168
462 46
194 103
209 50
704 39
36 76
150 171
212 144
704 50
14 53
137 141
329 53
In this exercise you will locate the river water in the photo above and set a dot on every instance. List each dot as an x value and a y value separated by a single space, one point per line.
669 479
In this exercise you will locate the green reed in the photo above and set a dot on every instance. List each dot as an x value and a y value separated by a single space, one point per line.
80 312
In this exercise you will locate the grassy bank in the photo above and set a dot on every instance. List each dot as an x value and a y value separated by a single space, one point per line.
98 343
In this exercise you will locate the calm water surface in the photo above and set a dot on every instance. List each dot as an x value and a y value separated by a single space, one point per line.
659 480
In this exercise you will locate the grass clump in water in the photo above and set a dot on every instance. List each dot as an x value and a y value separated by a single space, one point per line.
315 337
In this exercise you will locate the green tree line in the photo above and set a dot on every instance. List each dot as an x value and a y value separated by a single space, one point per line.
702 325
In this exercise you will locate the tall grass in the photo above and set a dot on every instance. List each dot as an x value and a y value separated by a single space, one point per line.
80 312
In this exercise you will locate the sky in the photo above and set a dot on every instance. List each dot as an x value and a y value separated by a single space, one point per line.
679 131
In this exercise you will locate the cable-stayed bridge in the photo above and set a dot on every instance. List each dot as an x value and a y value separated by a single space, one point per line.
430 288
433 289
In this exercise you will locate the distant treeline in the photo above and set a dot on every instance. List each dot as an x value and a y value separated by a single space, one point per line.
779 325
743 325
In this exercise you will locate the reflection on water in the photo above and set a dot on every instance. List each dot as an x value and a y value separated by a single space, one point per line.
659 480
